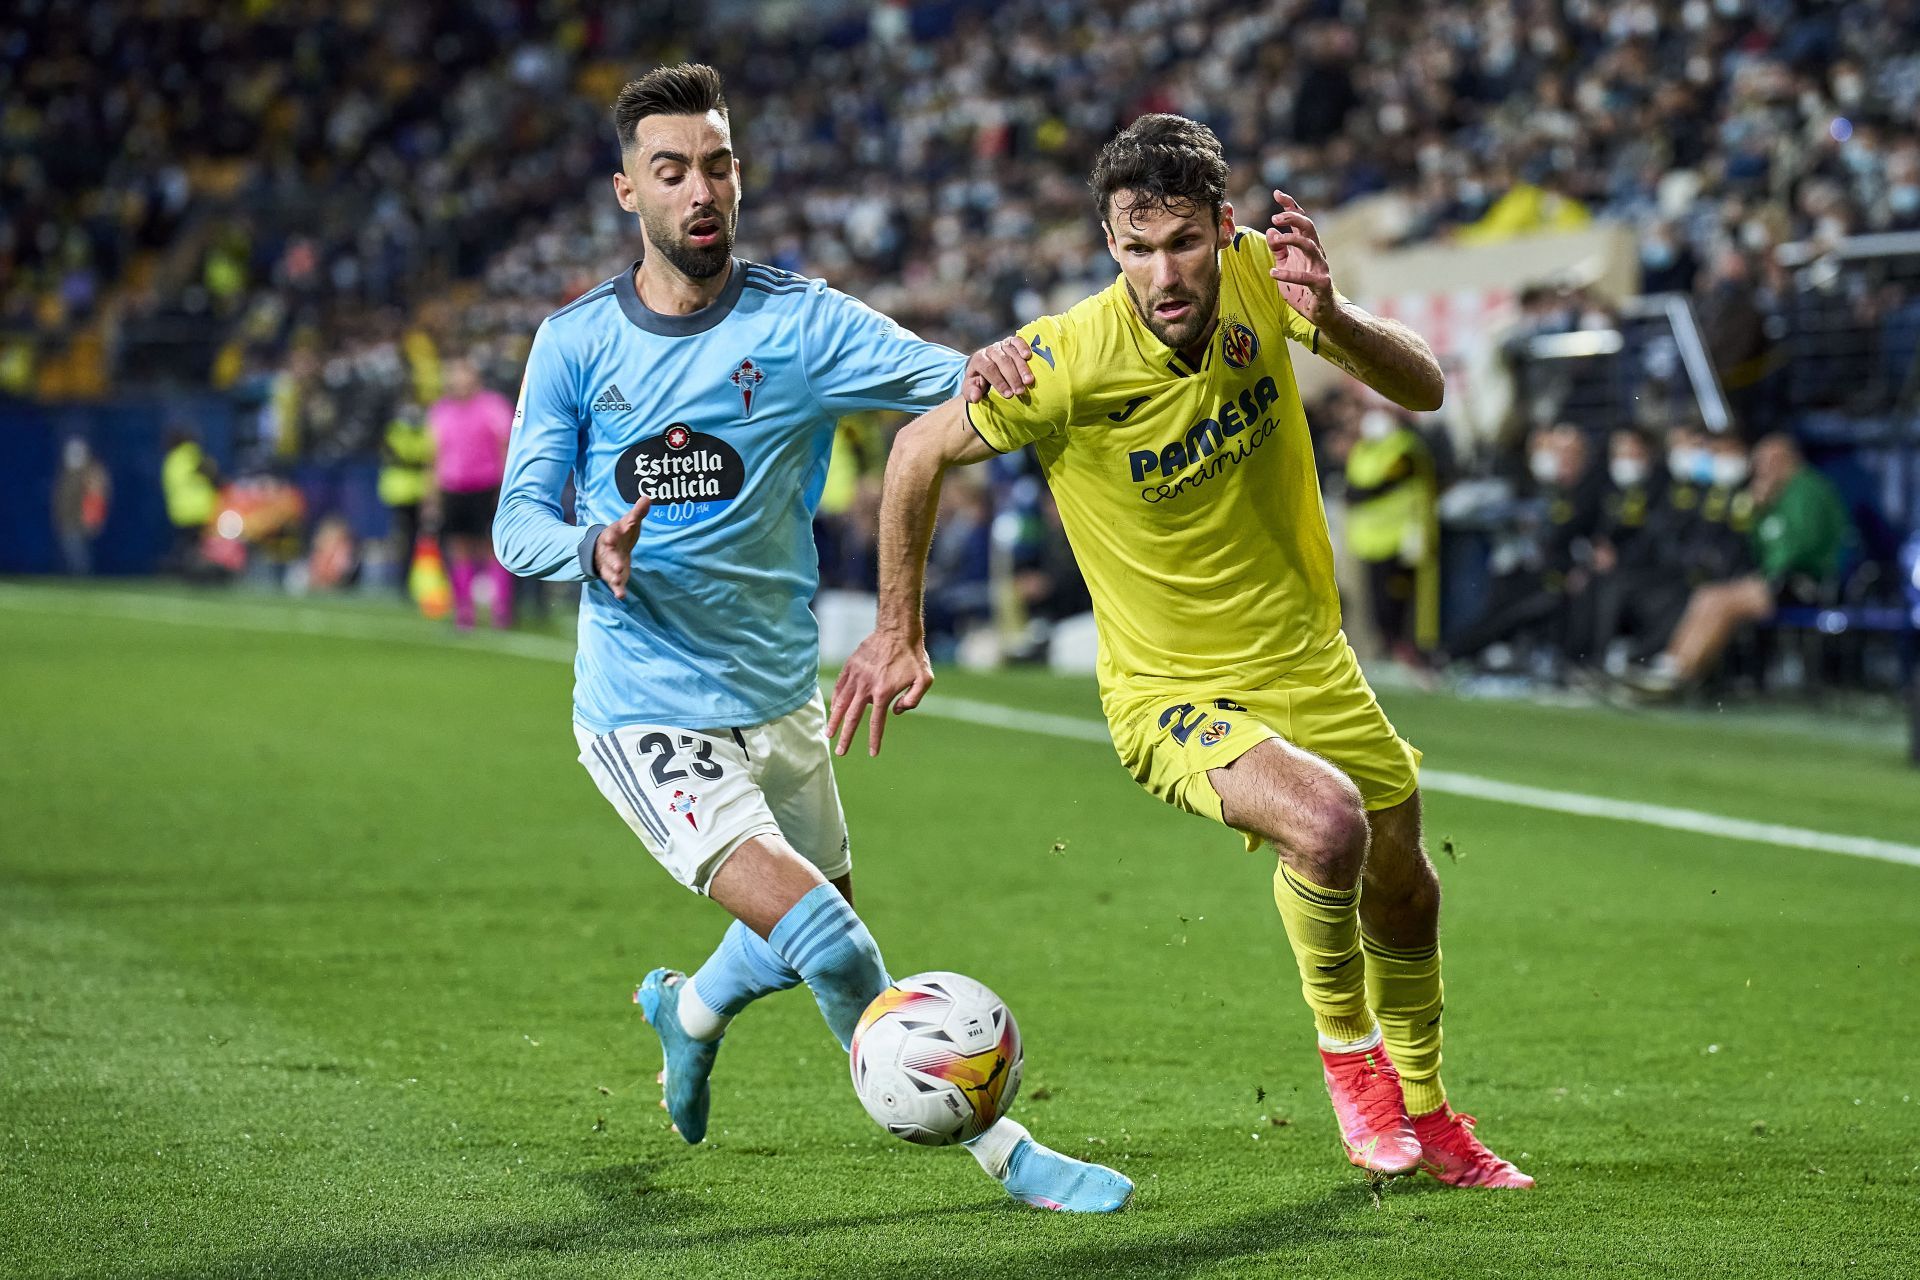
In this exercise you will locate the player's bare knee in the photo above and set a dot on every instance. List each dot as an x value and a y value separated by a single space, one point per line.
1331 843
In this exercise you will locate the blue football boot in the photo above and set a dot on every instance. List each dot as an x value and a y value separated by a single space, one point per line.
688 1061
1042 1176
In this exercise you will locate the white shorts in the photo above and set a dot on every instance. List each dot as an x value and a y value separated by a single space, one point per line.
693 796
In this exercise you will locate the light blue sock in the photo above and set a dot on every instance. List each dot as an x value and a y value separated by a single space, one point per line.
822 940
741 970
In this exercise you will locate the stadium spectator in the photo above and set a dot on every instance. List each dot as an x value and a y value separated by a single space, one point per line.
846 527
189 483
1801 542
959 564
471 425
1720 544
1047 577
406 463
1734 323
1391 528
1635 589
1531 597
80 498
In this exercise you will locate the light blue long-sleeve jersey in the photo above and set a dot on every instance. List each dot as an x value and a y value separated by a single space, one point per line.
725 417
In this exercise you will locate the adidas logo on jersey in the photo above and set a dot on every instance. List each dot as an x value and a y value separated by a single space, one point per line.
611 401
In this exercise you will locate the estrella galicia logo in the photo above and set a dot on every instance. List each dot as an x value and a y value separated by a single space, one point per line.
681 466
1238 344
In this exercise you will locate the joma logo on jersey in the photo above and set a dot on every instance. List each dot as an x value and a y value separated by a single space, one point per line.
1206 435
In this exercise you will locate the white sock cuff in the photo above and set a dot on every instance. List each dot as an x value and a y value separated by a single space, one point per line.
1369 1041
697 1017
994 1148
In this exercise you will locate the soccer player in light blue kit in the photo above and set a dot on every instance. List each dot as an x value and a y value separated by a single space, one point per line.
691 400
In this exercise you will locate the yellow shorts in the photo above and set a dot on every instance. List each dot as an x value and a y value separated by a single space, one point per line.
1168 739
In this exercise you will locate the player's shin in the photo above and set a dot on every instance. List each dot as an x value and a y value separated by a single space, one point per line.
1323 927
821 939
741 969
1403 986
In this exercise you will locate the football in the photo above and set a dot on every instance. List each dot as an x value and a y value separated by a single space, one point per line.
936 1059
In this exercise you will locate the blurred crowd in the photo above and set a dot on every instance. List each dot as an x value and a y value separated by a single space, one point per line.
344 214
317 199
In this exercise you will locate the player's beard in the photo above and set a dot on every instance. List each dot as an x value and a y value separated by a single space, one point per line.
1181 334
692 261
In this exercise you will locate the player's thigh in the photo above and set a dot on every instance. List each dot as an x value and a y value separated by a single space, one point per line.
1171 743
690 796
1335 716
794 761
1291 797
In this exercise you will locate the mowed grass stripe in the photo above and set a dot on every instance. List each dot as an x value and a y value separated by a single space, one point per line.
338 624
1446 782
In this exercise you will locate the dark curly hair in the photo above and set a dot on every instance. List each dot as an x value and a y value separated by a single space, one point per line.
1166 162
686 89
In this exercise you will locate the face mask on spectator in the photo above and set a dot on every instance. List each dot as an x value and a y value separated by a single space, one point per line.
1545 465
1376 424
1627 472
1728 469
1691 466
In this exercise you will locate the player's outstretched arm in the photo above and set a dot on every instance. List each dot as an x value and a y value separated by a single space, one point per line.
1384 354
531 534
890 670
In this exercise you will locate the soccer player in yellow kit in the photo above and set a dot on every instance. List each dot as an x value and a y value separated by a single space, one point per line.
1165 417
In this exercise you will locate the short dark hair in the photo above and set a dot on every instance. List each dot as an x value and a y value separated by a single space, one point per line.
685 89
1170 162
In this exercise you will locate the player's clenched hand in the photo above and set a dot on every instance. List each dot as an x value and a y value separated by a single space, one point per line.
999 366
1300 262
613 550
885 671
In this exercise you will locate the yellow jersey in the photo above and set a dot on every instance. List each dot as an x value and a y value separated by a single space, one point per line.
1188 492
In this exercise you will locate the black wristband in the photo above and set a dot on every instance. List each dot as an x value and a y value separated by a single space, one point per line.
587 542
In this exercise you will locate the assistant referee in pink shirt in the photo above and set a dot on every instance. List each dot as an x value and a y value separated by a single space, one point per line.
471 425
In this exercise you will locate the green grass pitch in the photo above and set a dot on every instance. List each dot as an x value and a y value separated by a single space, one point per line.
316 952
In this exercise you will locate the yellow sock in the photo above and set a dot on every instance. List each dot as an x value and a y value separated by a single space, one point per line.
1324 927
1403 986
